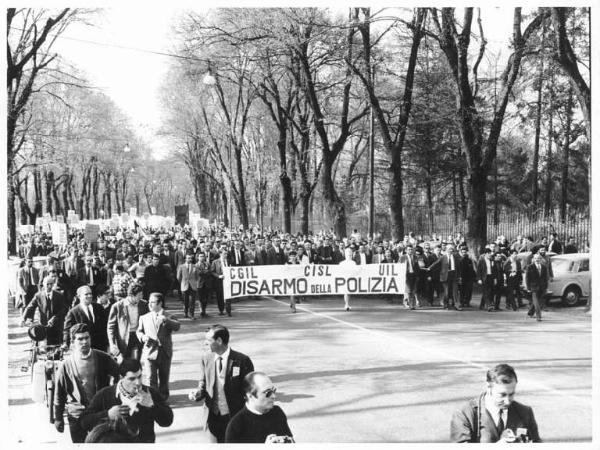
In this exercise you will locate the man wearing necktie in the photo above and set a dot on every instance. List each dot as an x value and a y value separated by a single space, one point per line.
188 277
448 267
217 268
537 283
495 416
236 256
92 314
154 330
412 275
487 273
88 275
29 278
222 371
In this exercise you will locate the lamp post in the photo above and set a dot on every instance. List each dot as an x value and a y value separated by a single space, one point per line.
210 80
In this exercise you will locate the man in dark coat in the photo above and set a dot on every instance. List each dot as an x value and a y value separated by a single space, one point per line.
537 283
52 310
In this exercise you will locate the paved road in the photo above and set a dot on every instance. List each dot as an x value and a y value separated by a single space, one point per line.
378 373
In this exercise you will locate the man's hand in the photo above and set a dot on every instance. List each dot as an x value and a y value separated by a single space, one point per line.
507 437
194 395
59 425
145 338
479 282
52 321
145 399
118 412
114 350
75 409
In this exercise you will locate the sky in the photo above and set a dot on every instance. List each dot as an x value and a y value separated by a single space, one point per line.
133 78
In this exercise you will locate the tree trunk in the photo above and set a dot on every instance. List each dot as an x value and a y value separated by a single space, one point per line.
548 193
95 186
565 162
240 198
12 216
49 185
477 210
37 185
429 192
335 205
225 207
538 129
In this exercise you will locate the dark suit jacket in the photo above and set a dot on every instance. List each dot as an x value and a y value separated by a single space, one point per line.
415 266
356 258
325 254
233 384
482 270
508 268
275 257
466 270
50 306
261 258
231 258
97 328
24 278
443 265
82 278
536 281
463 427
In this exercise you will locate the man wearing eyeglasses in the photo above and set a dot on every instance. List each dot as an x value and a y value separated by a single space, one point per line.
260 420
221 374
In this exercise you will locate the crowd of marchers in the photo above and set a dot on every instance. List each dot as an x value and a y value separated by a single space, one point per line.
105 301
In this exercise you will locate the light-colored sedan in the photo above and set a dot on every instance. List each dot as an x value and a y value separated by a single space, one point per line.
571 278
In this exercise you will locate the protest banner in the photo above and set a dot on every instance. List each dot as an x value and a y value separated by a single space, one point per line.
314 279
59 233
92 230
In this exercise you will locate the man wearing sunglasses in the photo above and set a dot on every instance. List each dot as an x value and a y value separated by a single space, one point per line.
260 420
222 371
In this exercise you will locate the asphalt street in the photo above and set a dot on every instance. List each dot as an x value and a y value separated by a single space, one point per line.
379 373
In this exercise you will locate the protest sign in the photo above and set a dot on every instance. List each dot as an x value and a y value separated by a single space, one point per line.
92 230
314 279
59 233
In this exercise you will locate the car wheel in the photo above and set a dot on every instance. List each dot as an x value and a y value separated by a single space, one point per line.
571 296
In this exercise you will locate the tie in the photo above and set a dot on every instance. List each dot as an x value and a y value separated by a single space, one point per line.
500 422
539 269
91 313
220 364
31 277
410 269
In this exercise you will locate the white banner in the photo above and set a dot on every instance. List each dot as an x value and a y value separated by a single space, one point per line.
314 279
59 233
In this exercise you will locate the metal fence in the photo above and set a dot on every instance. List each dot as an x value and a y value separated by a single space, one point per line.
511 223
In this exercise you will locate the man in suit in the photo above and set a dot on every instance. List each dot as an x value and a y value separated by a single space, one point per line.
156 277
28 279
325 252
413 271
188 277
261 253
52 309
536 279
222 372
236 255
250 255
514 275
361 256
487 274
494 416
448 267
571 247
275 254
123 321
216 269
205 283
466 277
554 246
154 331
89 275
310 253
89 313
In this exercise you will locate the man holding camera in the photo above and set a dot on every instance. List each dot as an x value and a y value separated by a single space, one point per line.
260 420
494 416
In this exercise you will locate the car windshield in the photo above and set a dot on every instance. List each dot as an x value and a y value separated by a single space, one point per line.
561 265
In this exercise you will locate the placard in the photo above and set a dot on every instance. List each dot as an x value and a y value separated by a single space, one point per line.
59 233
91 233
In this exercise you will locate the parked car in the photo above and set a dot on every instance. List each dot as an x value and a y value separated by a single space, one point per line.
571 278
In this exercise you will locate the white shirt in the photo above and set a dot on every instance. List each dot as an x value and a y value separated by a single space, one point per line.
450 262
221 402
363 258
488 264
495 411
